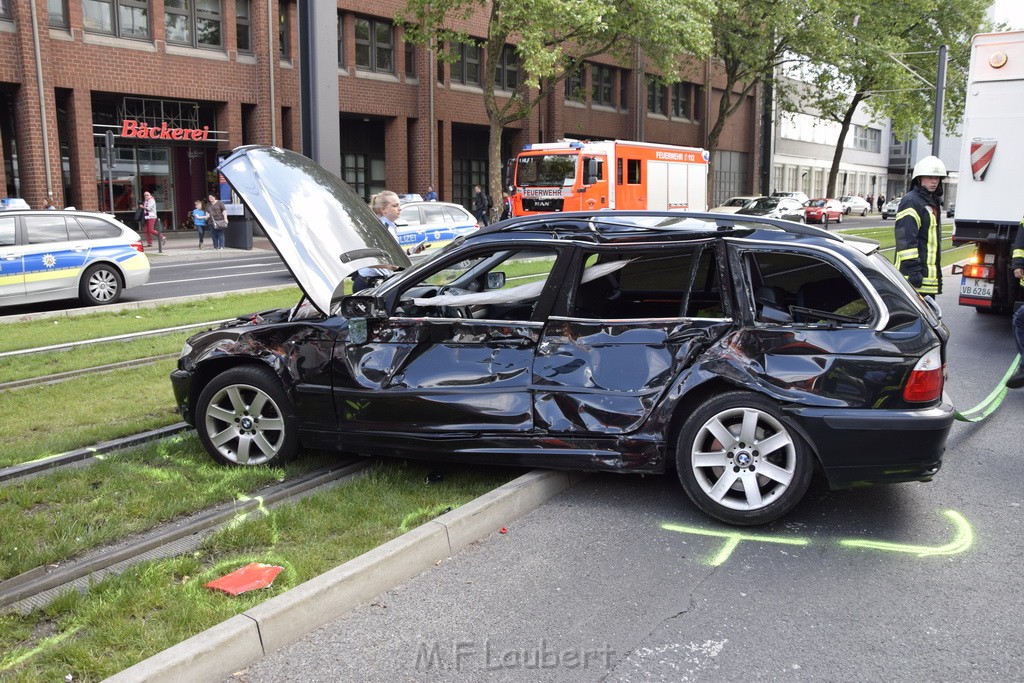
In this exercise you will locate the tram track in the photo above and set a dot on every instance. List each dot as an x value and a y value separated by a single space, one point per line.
38 586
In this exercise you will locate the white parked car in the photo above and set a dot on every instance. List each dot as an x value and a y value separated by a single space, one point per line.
890 207
53 255
853 204
799 196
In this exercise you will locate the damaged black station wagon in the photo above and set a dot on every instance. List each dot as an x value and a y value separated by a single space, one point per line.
745 353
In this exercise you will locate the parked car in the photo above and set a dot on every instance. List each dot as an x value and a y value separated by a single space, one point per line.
951 211
799 196
433 222
891 207
852 204
8 203
733 204
823 211
743 352
58 254
785 208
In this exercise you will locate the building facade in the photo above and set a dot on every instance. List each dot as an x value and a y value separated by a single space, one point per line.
173 85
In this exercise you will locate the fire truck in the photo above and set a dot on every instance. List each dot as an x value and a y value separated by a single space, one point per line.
577 175
990 196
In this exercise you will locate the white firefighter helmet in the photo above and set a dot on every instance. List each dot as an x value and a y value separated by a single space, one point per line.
930 165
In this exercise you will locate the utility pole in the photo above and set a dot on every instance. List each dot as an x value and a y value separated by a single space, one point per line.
940 91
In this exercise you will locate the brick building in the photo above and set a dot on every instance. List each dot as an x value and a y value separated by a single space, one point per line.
177 82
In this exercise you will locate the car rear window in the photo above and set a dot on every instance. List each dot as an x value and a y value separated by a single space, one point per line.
799 288
97 228
7 224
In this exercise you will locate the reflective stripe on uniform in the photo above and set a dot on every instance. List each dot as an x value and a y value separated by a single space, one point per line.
912 212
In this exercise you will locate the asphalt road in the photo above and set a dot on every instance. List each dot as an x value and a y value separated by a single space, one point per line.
622 579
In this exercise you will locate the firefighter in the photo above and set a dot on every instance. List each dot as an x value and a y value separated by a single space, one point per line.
919 229
1017 263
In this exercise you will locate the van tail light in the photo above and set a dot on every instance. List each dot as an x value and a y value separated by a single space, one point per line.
925 382
979 270
137 246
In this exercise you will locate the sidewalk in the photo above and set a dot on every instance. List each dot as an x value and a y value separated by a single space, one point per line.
185 244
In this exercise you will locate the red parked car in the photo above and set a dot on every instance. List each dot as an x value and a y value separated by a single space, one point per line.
823 211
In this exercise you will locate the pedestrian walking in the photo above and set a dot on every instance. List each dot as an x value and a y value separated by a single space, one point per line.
481 206
881 202
506 206
919 228
219 215
148 207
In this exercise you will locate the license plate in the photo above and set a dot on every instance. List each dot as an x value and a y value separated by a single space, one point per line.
976 287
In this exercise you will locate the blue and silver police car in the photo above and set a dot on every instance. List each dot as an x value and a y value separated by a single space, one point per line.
53 255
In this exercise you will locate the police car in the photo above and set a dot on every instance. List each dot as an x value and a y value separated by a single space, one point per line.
53 255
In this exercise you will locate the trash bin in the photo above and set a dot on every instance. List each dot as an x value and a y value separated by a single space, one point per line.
238 234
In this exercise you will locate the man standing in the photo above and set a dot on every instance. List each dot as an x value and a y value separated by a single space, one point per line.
1017 263
431 195
481 206
919 229
881 201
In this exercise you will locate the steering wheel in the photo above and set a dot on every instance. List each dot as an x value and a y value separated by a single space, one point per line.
453 311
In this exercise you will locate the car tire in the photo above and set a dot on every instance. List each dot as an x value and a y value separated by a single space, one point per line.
245 418
847 211
839 218
759 487
100 284
864 212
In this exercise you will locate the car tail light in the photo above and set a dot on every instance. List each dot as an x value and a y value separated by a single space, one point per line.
979 271
925 382
137 246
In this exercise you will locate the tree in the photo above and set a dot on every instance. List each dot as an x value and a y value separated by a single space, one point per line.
753 38
887 57
553 39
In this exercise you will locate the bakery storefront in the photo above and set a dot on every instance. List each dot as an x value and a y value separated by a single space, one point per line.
166 147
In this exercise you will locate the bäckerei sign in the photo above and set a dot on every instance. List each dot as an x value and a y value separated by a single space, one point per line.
138 129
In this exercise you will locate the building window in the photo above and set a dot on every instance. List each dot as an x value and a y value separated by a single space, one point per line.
375 46
5 8
623 89
341 40
867 139
506 74
56 12
196 24
353 172
121 18
655 96
243 26
466 67
574 86
410 59
283 31
682 101
601 84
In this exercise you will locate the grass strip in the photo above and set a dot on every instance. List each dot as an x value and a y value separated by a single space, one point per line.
125 619
45 420
62 513
48 331
92 356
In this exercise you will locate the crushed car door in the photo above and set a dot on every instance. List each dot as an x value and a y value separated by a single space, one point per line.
455 353
635 320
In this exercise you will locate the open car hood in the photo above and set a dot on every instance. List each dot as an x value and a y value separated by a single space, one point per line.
321 228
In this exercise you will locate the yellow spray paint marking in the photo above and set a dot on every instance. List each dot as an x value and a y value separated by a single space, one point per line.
733 539
963 540
8 664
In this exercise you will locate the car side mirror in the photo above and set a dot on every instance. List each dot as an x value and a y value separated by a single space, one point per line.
495 280
356 306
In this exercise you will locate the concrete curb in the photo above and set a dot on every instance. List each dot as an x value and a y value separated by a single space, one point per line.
216 653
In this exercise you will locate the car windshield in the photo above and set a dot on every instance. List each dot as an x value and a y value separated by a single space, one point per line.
547 169
764 203
817 202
